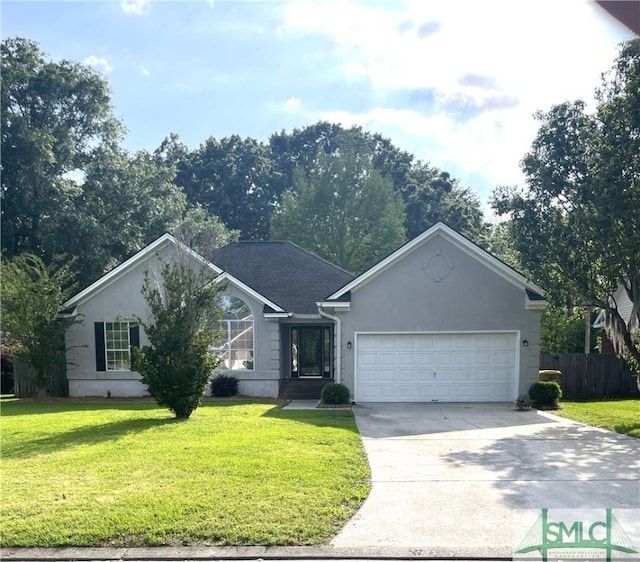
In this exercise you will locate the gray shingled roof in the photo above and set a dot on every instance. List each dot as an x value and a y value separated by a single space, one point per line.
283 272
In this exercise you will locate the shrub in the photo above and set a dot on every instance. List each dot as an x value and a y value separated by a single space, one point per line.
335 393
545 393
32 327
183 306
223 386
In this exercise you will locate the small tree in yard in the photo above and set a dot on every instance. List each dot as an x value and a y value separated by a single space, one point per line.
184 308
32 326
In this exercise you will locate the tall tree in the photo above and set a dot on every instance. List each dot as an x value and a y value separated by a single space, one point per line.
432 195
228 178
32 327
577 226
562 330
343 210
202 232
54 116
500 244
125 201
67 186
429 194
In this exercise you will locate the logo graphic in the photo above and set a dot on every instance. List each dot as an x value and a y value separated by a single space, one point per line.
571 538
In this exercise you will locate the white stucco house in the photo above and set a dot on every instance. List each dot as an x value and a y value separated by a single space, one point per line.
439 319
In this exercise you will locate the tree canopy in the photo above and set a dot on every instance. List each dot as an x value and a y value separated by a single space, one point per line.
69 187
429 195
576 227
55 116
343 210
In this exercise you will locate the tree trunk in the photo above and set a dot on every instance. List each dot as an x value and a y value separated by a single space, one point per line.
41 384
587 330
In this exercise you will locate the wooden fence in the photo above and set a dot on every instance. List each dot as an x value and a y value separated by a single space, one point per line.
592 376
24 379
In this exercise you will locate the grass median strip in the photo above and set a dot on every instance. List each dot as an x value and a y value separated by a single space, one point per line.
127 474
621 416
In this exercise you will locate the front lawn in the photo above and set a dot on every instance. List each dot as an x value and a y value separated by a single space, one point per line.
621 416
127 474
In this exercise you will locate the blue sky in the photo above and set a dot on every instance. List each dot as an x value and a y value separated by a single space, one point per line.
455 82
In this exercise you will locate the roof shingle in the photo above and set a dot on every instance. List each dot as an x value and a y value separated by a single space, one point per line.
283 272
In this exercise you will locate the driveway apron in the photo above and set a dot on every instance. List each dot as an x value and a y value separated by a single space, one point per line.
465 479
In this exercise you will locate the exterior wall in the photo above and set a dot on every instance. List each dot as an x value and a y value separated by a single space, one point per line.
440 288
625 306
121 300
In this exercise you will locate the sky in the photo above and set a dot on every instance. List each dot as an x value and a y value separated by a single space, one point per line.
454 82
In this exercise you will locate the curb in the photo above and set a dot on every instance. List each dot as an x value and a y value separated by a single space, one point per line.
251 553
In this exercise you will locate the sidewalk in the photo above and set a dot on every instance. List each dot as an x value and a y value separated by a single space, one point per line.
240 553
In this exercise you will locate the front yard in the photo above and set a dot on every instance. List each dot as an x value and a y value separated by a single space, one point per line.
621 416
127 474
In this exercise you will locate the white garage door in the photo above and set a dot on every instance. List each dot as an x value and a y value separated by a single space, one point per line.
475 367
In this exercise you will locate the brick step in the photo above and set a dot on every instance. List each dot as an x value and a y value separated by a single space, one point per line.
301 389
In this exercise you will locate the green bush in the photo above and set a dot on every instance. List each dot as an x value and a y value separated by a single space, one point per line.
334 393
177 366
223 386
545 393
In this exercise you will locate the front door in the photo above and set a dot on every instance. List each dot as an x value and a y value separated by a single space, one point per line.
311 351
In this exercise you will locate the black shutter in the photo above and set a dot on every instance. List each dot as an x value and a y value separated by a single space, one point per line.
134 335
101 364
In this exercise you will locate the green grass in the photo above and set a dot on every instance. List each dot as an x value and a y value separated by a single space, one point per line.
127 474
621 416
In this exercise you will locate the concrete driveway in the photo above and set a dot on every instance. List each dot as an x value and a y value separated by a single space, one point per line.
466 479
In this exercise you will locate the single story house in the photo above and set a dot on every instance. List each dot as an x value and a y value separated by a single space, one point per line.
440 319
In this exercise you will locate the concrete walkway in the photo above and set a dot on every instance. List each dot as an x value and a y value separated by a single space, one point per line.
467 479
312 405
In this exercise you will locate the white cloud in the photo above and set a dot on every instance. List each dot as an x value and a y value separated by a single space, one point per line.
483 69
101 64
540 49
482 147
291 104
136 7
145 71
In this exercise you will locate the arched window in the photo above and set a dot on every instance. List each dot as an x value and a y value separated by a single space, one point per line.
235 343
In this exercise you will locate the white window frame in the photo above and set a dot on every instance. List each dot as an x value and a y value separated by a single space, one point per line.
226 345
124 362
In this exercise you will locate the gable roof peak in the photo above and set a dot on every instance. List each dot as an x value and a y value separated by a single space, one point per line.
120 270
453 236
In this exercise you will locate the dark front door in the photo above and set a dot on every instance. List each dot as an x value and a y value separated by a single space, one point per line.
311 351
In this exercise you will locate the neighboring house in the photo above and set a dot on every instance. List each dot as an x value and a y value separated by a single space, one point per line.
440 319
620 299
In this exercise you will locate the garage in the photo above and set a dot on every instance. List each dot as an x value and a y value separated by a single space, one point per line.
443 367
